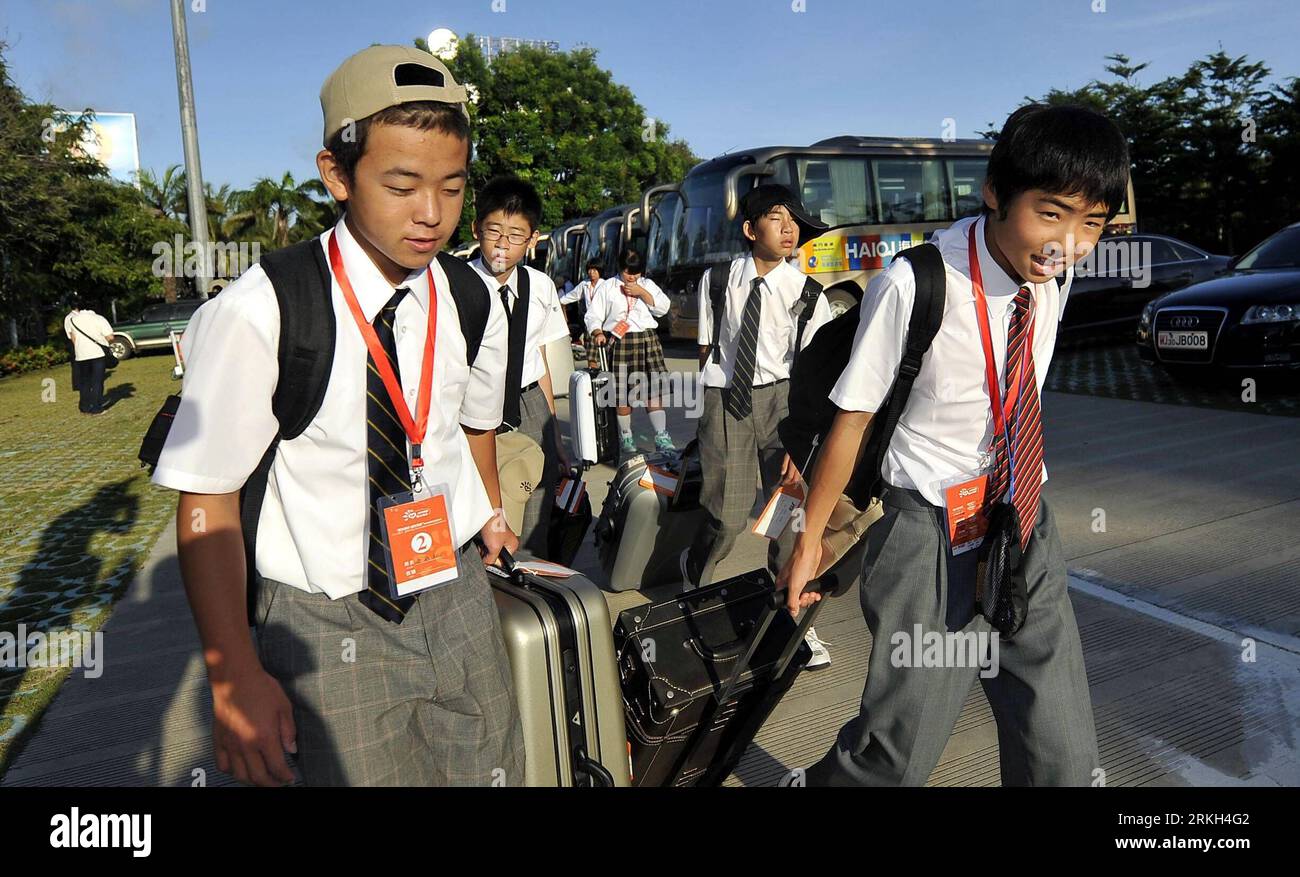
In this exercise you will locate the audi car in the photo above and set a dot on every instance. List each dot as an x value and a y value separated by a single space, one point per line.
1247 318
1124 273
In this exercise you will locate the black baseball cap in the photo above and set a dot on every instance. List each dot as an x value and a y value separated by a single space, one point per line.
759 200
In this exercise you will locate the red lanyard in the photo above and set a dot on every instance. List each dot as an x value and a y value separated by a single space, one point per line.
629 301
990 365
415 427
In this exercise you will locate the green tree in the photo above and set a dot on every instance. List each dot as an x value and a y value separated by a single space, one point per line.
558 120
276 213
1213 149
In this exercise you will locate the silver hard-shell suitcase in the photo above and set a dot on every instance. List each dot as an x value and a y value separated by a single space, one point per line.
559 638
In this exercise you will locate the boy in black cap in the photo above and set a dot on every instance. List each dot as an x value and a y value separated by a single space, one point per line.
746 352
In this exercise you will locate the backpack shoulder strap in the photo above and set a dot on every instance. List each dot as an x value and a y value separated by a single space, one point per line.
923 325
812 291
927 308
719 277
303 292
302 284
472 304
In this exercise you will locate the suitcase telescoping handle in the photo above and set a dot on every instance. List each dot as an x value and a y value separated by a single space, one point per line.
774 603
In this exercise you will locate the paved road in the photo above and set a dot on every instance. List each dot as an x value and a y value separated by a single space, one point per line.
1178 525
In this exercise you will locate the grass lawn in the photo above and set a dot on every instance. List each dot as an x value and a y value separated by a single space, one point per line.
78 515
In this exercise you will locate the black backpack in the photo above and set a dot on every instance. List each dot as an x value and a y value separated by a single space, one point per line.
817 370
719 277
302 283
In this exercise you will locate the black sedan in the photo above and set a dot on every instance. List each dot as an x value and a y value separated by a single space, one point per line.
1248 318
1125 272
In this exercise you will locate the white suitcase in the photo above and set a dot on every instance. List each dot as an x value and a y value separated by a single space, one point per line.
593 429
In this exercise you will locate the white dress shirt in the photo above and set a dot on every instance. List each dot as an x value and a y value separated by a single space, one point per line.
313 529
91 324
608 305
781 288
545 316
581 292
947 424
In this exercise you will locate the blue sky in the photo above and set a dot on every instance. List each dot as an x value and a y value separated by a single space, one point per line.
723 74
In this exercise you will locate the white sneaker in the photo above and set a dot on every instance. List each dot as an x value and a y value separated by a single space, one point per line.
821 656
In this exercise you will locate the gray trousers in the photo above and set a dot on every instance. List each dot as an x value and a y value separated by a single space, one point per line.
428 702
538 423
1039 694
733 455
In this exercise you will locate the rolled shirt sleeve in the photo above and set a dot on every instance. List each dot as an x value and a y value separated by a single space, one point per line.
659 299
598 306
225 423
878 345
555 327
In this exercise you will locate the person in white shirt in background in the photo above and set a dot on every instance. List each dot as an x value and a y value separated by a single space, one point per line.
622 313
88 331
509 211
581 296
738 437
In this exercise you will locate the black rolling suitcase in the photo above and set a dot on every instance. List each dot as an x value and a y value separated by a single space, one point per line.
701 673
569 520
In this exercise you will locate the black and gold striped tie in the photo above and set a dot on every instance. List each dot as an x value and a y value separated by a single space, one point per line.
386 464
739 396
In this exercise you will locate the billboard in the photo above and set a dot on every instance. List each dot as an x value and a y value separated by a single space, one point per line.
111 139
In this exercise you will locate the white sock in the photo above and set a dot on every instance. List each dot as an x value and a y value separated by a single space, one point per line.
659 420
624 424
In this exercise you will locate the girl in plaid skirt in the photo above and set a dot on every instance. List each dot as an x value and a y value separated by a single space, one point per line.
623 316
581 296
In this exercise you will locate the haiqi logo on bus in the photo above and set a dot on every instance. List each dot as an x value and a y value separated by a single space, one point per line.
855 252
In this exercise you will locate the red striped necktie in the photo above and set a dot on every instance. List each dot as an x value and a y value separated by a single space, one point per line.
1022 470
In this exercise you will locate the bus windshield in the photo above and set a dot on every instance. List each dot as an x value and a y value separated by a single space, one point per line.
659 238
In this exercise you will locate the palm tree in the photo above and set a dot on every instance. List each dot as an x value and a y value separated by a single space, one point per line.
277 214
165 196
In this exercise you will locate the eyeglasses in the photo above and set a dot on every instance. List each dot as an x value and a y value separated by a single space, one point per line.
492 235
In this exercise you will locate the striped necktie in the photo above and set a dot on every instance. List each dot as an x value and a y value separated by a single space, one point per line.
387 466
740 393
1025 425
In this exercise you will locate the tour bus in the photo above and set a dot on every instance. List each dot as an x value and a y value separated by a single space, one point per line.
604 236
878 195
564 256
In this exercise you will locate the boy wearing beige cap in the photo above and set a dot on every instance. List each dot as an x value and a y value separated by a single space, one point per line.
337 392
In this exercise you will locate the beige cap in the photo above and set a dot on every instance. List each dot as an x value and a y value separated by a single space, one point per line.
519 467
380 77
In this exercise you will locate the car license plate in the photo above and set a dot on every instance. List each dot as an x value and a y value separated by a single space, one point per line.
1183 340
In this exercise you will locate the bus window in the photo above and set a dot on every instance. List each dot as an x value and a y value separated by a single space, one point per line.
911 190
834 190
966 178
704 234
663 219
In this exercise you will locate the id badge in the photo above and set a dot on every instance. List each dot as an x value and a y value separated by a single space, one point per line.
619 330
778 512
963 501
418 544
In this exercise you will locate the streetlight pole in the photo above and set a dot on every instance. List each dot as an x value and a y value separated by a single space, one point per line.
190 136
